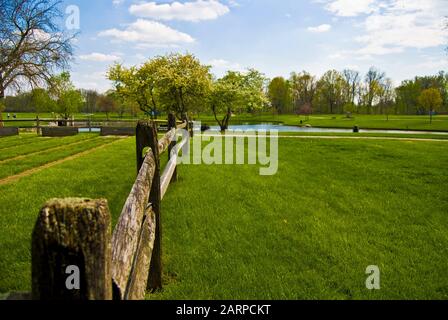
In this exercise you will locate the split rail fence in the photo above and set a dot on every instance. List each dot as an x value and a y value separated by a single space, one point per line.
75 234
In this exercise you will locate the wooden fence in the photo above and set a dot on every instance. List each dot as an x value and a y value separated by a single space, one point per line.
123 264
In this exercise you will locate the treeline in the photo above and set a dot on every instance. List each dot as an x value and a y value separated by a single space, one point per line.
63 99
182 84
350 92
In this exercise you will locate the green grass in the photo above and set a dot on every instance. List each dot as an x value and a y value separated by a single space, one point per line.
366 135
309 232
399 122
41 144
90 176
334 208
13 167
6 142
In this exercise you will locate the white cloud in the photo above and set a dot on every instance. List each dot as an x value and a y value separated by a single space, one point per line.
349 8
221 66
96 80
117 2
320 29
99 57
186 11
148 34
433 63
233 3
392 26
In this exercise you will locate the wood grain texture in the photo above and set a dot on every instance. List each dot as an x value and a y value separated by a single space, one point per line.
72 232
125 237
136 288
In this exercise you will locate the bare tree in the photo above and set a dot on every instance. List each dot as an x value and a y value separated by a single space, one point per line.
352 78
303 86
32 44
374 80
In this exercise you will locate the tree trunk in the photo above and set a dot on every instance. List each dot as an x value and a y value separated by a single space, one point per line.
225 123
2 96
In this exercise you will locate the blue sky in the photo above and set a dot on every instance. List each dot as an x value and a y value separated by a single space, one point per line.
402 37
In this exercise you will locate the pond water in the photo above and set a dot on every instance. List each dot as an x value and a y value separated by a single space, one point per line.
283 128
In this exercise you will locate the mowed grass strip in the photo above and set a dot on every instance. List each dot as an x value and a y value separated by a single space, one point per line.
39 144
366 135
106 173
62 146
7 142
12 168
309 232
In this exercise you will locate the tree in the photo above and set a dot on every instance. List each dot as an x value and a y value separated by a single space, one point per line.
32 43
407 96
69 103
2 108
373 80
386 97
90 97
182 82
352 78
133 87
430 100
68 99
106 104
41 101
236 92
332 88
173 82
279 95
303 88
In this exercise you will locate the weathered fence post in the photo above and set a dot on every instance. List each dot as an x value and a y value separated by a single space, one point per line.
147 137
155 198
38 125
172 125
71 251
189 127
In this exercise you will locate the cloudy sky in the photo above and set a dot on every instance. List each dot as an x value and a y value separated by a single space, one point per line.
402 37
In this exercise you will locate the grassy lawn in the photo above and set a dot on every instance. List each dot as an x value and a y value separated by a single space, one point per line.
309 232
399 122
90 176
38 144
15 166
334 208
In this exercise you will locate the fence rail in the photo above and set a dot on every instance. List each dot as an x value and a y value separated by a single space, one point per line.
75 234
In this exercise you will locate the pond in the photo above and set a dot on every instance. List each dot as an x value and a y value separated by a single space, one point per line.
284 128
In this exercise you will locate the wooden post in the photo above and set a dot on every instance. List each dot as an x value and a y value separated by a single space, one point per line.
189 127
155 198
69 235
147 137
172 125
38 125
131 251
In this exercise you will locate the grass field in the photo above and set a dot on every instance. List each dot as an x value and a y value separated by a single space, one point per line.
399 122
309 232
